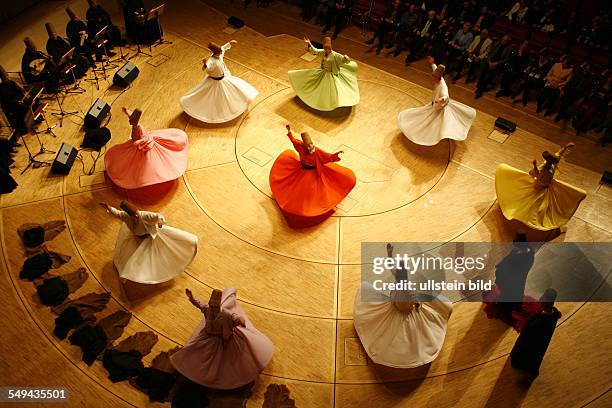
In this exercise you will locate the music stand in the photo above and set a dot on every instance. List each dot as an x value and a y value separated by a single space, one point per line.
101 42
156 12
32 161
65 59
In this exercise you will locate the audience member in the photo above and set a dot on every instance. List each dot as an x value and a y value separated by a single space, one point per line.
494 64
554 84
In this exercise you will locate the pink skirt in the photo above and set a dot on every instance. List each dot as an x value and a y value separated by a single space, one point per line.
215 362
130 167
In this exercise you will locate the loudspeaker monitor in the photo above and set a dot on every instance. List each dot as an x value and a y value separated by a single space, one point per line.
96 114
126 75
235 22
64 160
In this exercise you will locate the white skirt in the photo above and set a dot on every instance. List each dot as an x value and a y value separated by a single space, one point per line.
218 101
154 260
398 339
427 125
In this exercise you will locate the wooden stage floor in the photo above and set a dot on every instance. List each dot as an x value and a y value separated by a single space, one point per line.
297 286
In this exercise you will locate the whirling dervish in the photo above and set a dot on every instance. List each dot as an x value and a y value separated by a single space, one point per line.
537 199
396 328
442 118
225 351
220 97
311 184
149 157
332 85
147 250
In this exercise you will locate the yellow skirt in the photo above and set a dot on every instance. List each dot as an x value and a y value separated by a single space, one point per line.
543 209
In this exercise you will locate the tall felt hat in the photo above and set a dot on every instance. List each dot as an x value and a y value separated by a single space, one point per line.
30 43
50 29
128 207
215 48
306 138
549 296
549 157
327 42
439 72
215 298
71 13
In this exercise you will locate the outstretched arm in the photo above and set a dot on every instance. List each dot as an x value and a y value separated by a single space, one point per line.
564 149
200 305
294 141
228 45
122 215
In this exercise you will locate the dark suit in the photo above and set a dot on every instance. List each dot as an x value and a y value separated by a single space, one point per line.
499 54
531 345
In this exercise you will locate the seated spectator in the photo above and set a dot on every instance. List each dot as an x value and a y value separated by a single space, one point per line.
457 47
577 89
321 11
482 21
422 36
337 16
533 76
308 8
518 61
596 104
494 64
438 46
596 34
569 28
518 11
554 84
534 14
388 25
408 24
464 14
476 52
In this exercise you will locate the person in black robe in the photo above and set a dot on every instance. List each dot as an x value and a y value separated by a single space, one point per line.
38 67
77 33
136 24
12 102
506 300
511 273
7 183
531 345
58 46
97 18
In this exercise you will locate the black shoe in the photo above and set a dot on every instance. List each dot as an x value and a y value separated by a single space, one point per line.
334 36
378 51
468 80
111 54
538 109
478 95
547 113
524 103
396 52
371 41
389 46
456 77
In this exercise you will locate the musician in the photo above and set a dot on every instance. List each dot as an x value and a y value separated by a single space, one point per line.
97 19
136 24
76 30
12 101
58 46
38 67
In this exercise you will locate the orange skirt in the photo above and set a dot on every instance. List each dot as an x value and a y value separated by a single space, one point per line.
305 192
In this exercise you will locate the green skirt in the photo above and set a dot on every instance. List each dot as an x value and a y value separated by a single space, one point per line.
324 90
